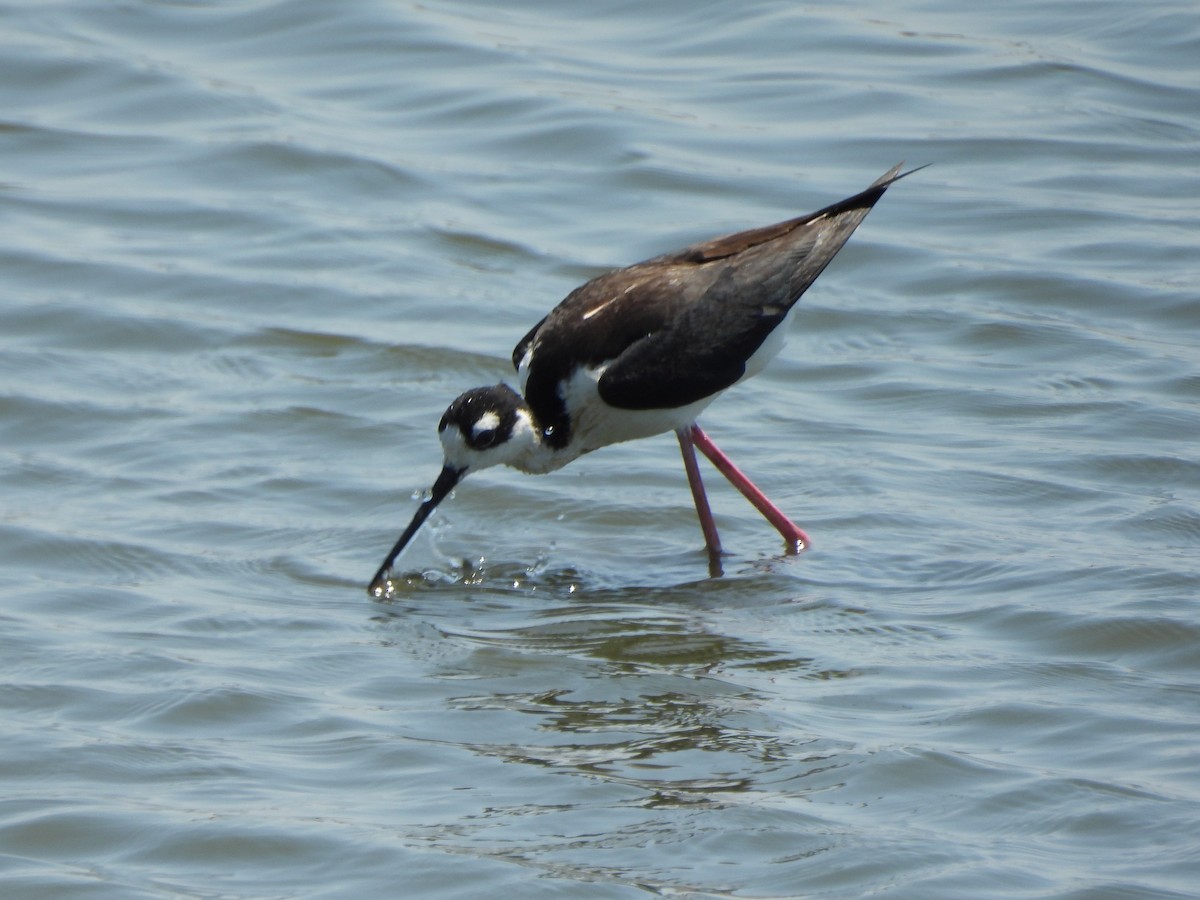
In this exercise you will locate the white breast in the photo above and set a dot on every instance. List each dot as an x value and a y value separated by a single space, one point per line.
595 424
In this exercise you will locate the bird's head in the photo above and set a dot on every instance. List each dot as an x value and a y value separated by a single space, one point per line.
486 426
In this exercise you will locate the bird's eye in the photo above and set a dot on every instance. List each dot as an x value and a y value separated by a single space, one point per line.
481 440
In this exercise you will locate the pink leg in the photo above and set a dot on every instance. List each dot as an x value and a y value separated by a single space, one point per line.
711 540
792 533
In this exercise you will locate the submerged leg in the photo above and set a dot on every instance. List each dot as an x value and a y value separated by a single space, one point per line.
711 540
792 533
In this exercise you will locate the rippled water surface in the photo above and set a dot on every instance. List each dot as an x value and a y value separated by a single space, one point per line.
251 250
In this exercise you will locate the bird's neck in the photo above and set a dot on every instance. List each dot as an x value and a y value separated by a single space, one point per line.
528 450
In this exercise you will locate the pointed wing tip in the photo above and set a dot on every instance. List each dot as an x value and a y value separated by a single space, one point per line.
894 174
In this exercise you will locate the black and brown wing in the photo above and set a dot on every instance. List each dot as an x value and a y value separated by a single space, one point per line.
679 327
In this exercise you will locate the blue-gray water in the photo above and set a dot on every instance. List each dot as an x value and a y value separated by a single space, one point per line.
250 250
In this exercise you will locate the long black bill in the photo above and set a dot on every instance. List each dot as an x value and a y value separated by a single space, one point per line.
444 485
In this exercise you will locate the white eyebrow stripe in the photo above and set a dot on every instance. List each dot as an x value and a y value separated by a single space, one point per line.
489 421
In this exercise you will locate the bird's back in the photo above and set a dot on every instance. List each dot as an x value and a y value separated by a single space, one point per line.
674 329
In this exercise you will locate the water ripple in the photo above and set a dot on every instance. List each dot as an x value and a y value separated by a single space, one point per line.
251 252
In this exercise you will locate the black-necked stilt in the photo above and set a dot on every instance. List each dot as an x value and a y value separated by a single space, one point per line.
643 350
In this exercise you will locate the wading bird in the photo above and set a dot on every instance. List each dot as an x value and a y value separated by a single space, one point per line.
643 350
